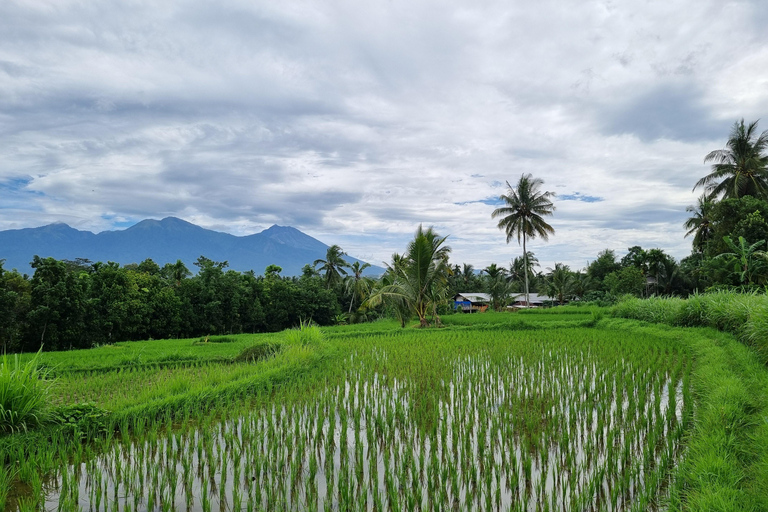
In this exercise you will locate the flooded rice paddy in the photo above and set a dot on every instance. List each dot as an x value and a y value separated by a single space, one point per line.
550 427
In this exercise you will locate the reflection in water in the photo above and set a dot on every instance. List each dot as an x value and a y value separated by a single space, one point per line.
564 432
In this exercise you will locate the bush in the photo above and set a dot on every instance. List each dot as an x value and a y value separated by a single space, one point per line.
257 352
24 391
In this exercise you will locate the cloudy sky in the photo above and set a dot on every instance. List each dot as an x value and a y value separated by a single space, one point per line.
355 121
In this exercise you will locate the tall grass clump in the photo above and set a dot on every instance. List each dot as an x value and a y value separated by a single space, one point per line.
307 334
24 391
744 315
665 310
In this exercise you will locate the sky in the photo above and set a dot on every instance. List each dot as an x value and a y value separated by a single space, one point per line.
356 121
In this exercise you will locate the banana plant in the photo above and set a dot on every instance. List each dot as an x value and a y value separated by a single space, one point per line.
745 257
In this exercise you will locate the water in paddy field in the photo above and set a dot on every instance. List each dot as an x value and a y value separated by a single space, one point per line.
565 432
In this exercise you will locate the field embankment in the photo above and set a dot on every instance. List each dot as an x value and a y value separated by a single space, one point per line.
727 464
744 315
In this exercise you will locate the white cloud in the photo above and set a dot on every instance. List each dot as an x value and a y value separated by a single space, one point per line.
356 121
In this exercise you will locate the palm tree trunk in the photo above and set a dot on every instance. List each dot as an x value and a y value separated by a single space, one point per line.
525 271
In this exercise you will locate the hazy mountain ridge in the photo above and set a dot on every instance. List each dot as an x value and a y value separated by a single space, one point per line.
166 241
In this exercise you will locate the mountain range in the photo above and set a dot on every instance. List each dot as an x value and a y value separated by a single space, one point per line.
166 241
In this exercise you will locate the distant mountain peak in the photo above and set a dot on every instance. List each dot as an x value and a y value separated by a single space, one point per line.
166 223
165 241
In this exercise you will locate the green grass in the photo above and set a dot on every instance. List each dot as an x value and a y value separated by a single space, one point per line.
24 394
745 315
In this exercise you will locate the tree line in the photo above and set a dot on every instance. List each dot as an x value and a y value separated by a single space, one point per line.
79 304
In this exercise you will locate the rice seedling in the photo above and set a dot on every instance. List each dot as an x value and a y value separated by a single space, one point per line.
557 419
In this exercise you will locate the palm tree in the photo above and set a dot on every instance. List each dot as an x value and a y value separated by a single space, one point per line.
333 265
582 283
497 285
700 224
517 269
523 214
418 280
467 275
741 168
358 284
560 282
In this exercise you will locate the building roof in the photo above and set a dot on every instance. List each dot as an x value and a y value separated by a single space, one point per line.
473 296
534 297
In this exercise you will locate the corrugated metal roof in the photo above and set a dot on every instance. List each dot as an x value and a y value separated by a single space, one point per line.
475 296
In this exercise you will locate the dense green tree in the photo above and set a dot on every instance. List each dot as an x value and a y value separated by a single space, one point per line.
518 273
15 298
57 307
636 257
745 217
582 284
175 272
628 280
604 264
741 168
522 215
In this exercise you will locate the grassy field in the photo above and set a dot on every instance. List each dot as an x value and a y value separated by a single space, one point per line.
559 410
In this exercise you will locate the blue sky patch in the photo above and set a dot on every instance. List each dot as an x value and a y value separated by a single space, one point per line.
490 201
578 196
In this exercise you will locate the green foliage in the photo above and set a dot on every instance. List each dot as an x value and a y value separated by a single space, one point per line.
628 280
741 168
604 264
747 261
333 266
24 394
744 216
417 283
82 420
561 283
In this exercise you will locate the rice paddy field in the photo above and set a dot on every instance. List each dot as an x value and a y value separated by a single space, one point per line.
564 410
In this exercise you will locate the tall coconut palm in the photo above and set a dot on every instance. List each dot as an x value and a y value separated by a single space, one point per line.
523 214
333 266
741 168
700 223
419 279
358 284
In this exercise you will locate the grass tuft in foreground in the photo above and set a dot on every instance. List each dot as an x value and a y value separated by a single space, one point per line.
24 391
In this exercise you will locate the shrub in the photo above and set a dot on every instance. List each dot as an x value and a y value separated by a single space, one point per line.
24 391
257 352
